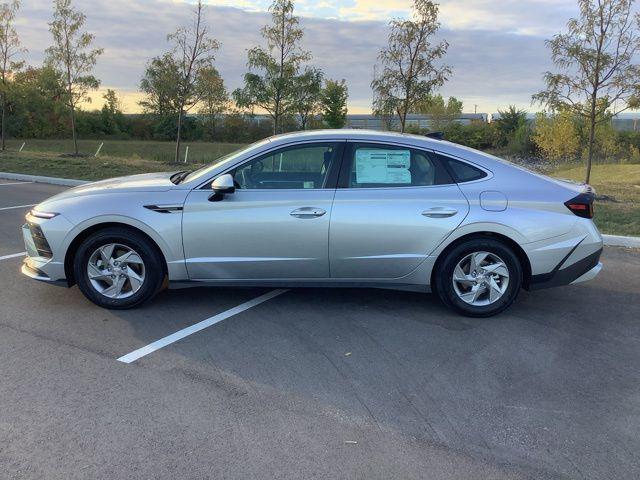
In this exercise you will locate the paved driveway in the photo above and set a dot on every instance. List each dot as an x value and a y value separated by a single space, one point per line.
317 383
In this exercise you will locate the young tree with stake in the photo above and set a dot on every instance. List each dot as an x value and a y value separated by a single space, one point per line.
72 56
273 88
194 52
597 76
409 70
9 49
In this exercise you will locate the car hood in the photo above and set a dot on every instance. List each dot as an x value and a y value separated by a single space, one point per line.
146 182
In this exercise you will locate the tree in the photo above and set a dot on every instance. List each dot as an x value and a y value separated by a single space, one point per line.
334 103
9 49
193 52
273 88
510 121
442 113
307 95
72 56
111 113
384 107
214 98
597 77
557 135
409 70
160 86
37 104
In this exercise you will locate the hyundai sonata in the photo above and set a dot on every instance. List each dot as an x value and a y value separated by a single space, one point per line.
341 208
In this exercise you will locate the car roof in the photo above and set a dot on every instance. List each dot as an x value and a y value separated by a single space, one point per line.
418 141
356 134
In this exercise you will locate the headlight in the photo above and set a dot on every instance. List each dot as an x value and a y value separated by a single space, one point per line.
38 214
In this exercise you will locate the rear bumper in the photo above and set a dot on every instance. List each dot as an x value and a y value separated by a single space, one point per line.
590 275
578 272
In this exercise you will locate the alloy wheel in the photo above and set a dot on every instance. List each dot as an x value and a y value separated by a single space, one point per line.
480 278
116 271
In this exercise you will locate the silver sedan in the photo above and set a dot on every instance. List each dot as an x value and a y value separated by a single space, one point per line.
323 208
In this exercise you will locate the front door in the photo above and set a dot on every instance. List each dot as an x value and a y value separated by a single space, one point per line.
395 205
275 225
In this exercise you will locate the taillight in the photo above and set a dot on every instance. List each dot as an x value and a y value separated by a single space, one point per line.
582 205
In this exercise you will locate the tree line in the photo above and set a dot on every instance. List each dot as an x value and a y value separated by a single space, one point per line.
44 101
595 78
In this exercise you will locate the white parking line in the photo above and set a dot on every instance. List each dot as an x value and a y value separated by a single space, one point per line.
15 183
18 206
185 332
13 255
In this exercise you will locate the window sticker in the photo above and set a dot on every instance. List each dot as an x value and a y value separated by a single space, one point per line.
383 166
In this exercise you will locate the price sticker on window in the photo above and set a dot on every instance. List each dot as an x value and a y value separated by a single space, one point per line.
383 166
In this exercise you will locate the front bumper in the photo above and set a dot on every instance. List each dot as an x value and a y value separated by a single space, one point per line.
40 263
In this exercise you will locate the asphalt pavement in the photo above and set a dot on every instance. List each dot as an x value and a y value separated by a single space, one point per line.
317 383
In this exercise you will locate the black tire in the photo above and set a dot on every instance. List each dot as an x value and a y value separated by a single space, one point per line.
148 251
444 277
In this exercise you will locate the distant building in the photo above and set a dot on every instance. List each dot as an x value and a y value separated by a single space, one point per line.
423 122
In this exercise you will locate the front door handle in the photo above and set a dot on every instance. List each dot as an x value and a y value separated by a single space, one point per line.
440 212
308 212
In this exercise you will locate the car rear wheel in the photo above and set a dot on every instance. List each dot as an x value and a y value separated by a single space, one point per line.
118 268
480 277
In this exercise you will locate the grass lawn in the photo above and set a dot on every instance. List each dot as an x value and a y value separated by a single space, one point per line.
619 215
199 152
83 168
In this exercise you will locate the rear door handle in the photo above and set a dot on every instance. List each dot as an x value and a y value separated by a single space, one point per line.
440 212
308 212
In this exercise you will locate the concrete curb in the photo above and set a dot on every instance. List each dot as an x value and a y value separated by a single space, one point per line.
620 241
67 182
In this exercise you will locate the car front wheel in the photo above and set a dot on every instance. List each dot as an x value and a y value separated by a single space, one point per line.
118 268
479 278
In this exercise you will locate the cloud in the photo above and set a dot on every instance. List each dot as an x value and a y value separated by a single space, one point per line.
492 66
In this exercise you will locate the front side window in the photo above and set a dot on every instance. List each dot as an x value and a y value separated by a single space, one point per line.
376 166
299 167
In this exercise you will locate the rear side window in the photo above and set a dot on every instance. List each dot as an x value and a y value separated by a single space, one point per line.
462 172
383 166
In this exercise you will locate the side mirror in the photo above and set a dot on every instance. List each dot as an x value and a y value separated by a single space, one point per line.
221 186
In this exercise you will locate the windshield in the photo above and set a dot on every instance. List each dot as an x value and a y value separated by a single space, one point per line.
202 172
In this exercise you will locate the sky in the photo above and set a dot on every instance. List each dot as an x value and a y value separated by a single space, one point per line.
497 51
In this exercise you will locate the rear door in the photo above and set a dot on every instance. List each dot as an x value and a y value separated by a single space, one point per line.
393 207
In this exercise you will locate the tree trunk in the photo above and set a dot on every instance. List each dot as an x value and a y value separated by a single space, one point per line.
592 137
4 120
177 156
73 130
403 119
276 120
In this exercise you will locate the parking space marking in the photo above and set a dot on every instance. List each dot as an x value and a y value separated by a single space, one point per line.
13 255
185 332
18 206
15 183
